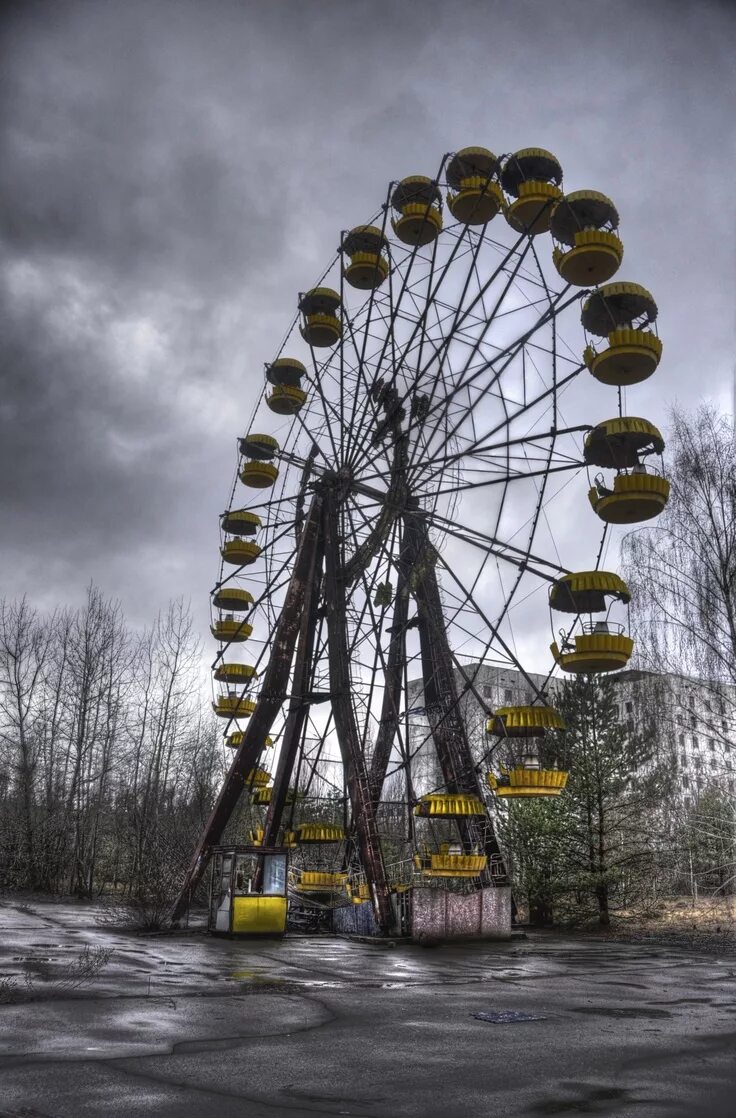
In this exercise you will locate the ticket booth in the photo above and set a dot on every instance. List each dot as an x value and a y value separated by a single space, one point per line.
248 891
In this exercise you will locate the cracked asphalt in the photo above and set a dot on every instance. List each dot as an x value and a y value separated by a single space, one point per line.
187 1025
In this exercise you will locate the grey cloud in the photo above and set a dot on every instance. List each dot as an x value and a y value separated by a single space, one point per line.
172 174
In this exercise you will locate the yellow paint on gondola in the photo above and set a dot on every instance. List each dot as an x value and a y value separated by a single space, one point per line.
586 591
314 881
230 631
233 706
319 832
522 781
524 721
451 865
635 497
285 400
449 805
594 652
234 673
630 358
417 201
259 475
240 552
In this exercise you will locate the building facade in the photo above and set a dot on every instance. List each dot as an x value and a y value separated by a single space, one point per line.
689 723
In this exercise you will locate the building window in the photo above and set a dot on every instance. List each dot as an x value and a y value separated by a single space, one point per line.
727 746
685 782
730 786
693 721
488 690
712 745
699 782
712 762
683 760
629 708
508 695
687 801
696 743
691 701
682 740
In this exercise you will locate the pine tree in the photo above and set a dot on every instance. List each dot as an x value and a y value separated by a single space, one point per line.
611 814
536 834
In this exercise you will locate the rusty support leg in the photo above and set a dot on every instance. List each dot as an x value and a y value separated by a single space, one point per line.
274 686
298 706
440 692
356 772
392 688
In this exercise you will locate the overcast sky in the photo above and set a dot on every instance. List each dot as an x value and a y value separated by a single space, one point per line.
172 174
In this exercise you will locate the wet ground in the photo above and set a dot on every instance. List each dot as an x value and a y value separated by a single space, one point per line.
197 1027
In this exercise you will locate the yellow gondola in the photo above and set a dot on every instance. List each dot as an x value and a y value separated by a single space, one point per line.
286 371
586 591
240 552
478 196
630 358
240 522
259 475
524 721
619 443
589 250
450 865
234 673
235 740
263 795
257 778
318 832
523 781
285 400
233 706
617 304
256 838
321 327
233 599
449 805
601 647
418 202
532 177
230 631
314 881
368 266
635 497
260 447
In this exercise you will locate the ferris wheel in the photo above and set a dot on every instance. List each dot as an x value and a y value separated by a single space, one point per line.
403 491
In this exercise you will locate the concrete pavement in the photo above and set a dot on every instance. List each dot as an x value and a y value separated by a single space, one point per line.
188 1025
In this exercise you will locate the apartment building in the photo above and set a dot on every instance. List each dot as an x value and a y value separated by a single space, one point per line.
691 722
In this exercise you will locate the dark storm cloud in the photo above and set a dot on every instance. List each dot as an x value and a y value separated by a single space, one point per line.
151 185
172 174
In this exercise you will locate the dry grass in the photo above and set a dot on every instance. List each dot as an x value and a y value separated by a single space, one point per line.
707 922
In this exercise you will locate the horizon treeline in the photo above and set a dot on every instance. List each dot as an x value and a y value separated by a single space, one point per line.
110 758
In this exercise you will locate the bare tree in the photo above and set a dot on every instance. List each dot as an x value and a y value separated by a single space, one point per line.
108 762
682 572
685 563
23 651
